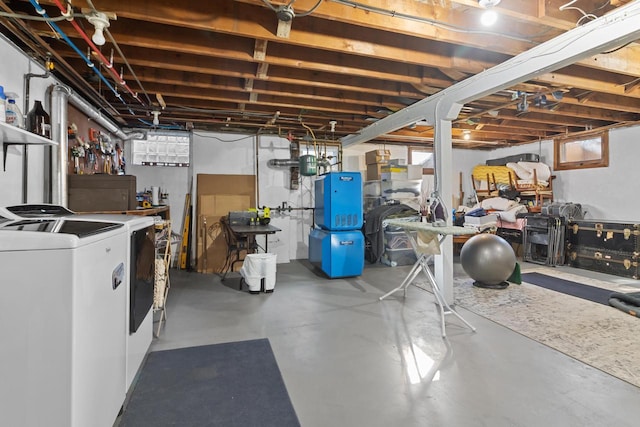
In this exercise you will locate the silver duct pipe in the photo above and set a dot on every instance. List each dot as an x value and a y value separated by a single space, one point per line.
61 96
96 115
59 118
280 163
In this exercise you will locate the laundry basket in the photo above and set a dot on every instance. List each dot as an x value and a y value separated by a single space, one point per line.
259 272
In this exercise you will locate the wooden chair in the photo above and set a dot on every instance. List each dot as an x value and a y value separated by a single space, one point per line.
534 189
482 191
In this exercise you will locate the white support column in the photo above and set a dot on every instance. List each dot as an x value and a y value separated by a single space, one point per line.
445 112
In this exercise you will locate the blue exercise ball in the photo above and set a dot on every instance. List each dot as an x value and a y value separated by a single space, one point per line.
488 259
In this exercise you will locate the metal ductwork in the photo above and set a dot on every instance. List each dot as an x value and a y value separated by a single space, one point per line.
307 164
284 163
59 113
96 115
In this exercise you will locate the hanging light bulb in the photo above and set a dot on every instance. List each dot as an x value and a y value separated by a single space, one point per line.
100 21
489 16
466 135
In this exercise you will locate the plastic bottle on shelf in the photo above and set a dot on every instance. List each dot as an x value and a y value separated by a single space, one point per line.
38 120
14 116
3 106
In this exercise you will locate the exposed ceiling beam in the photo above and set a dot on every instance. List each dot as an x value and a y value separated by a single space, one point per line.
619 27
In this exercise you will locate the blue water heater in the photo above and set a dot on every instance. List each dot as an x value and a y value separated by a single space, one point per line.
336 246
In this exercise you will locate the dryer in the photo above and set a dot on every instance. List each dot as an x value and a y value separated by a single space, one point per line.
139 286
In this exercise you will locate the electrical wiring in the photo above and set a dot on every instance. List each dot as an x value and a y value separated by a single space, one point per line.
122 56
168 127
33 18
585 15
299 15
66 38
310 11
220 139
95 49
433 22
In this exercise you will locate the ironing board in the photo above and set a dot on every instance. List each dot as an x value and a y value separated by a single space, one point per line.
427 232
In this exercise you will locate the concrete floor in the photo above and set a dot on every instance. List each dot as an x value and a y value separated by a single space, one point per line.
348 359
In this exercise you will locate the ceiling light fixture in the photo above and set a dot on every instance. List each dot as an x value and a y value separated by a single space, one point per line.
489 16
100 21
466 134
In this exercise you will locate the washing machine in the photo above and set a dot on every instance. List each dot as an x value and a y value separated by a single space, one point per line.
40 210
139 287
63 353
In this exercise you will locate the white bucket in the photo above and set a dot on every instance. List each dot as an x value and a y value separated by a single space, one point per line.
256 267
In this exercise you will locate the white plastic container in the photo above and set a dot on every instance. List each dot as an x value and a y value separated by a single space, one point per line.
14 116
3 106
257 267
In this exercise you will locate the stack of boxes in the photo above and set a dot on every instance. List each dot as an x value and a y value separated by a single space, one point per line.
391 179
372 191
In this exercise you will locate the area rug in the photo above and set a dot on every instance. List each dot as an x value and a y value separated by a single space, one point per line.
592 333
230 384
569 287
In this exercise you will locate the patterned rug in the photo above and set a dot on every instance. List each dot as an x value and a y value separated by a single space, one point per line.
598 335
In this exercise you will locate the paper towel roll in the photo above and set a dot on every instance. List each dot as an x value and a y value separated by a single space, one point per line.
155 196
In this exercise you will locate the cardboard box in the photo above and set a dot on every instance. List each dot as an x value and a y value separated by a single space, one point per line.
377 156
214 202
398 162
401 172
221 204
374 171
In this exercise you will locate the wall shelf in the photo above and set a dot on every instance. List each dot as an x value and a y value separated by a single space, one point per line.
11 135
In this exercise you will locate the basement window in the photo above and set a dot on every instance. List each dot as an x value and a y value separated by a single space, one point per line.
587 151
422 156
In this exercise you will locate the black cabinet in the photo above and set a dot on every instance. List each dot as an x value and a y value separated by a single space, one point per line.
94 193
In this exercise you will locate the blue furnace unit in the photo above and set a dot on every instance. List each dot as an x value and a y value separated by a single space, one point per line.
337 253
337 247
339 201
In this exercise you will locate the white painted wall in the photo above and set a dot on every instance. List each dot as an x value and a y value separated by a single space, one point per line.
604 193
11 78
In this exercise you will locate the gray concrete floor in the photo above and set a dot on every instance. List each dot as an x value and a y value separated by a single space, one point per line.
348 359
